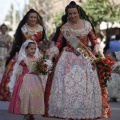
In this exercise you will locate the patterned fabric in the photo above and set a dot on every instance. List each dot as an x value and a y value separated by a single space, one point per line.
28 94
4 89
73 89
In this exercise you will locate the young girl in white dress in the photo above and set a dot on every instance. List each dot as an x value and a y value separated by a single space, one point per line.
28 93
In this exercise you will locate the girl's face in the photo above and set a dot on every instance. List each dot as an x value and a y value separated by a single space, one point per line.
3 29
73 14
32 19
31 49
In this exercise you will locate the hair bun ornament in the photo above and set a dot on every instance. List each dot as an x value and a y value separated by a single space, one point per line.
72 3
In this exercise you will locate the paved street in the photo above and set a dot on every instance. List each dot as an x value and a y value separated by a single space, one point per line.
4 115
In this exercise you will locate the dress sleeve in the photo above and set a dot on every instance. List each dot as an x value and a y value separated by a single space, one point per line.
92 38
97 47
20 69
58 44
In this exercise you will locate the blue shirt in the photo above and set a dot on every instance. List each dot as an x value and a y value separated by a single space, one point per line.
114 46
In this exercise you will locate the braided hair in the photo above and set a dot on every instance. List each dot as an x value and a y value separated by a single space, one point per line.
18 37
81 12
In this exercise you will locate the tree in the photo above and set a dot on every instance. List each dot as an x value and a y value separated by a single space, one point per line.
9 17
102 10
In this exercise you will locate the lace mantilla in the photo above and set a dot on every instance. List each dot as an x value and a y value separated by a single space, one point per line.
80 32
31 30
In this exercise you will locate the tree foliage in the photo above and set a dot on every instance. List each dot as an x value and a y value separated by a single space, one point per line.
102 10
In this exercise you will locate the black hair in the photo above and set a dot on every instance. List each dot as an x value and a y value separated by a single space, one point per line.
29 44
3 25
64 20
18 38
117 37
81 12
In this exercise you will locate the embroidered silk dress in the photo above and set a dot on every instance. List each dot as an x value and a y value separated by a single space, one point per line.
73 89
28 94
34 34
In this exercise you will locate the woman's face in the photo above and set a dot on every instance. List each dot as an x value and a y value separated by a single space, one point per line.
73 14
3 29
32 19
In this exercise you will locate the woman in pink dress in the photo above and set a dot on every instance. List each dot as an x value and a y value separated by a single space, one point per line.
30 27
73 89
28 94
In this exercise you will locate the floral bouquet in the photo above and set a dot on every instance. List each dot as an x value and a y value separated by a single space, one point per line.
104 67
43 66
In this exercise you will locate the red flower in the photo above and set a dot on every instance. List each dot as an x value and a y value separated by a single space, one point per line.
104 67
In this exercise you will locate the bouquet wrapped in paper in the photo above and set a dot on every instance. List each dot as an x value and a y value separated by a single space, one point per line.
43 66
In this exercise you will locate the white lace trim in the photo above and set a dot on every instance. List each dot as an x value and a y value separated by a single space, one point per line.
31 31
81 32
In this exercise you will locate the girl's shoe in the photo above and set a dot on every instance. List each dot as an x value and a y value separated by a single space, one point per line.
26 117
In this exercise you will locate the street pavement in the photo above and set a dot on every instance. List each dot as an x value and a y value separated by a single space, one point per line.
4 115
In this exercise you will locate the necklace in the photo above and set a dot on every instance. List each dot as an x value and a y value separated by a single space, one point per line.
75 25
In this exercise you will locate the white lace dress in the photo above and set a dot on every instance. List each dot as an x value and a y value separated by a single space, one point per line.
75 91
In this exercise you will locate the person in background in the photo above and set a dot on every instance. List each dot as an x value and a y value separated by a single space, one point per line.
73 90
28 94
5 43
30 27
113 85
114 45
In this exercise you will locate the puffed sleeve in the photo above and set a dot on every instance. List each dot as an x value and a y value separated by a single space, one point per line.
58 44
92 38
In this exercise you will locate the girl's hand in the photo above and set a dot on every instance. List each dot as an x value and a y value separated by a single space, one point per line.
16 56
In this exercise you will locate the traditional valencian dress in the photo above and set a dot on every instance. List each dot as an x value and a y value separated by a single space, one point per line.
5 41
73 89
28 94
33 33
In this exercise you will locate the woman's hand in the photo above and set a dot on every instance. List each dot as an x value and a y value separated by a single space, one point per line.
51 56
100 54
